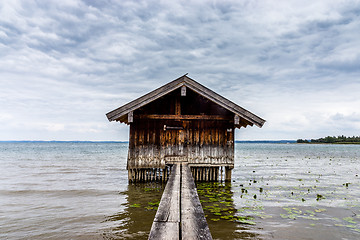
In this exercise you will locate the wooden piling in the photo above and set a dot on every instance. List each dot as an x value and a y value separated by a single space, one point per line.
228 174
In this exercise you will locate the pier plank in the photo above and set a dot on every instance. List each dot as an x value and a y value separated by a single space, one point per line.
168 210
193 221
180 214
164 231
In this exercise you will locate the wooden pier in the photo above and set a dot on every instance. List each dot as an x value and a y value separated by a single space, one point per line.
180 214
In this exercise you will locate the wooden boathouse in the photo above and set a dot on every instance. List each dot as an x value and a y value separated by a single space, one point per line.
182 121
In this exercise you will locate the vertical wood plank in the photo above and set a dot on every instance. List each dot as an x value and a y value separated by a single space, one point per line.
177 106
131 117
236 120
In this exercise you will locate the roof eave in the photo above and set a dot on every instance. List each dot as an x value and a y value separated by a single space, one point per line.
145 99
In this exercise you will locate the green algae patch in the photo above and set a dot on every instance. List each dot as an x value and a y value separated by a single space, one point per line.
349 220
135 205
154 203
245 220
218 204
215 219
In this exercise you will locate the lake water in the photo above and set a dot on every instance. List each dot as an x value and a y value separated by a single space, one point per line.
52 190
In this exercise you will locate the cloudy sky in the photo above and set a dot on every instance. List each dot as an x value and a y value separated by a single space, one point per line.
65 64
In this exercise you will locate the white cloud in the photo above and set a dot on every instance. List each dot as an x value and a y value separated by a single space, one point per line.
64 64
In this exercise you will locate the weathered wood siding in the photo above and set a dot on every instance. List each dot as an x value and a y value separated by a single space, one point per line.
200 142
180 126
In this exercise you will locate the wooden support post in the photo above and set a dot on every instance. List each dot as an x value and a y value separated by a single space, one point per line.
228 174
221 174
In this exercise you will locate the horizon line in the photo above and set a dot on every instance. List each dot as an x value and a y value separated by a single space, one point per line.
120 141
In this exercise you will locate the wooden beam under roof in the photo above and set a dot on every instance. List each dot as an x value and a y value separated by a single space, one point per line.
183 117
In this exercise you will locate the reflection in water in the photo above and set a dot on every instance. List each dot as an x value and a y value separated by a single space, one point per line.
224 220
134 222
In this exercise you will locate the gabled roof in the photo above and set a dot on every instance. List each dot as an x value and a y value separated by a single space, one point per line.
121 112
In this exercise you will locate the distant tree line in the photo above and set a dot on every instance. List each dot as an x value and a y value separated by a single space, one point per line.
329 139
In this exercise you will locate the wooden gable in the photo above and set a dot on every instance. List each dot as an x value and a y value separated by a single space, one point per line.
203 103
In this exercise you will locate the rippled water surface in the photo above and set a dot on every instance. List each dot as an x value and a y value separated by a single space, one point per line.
80 191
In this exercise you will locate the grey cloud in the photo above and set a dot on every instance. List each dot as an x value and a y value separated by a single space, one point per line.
92 56
354 117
